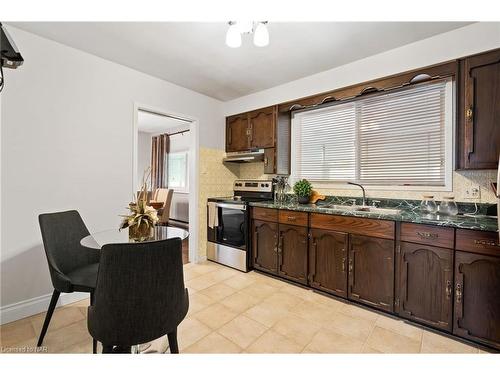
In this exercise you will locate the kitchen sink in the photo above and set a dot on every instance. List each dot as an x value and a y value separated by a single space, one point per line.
377 210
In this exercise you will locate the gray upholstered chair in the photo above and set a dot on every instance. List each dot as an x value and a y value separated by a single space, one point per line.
72 267
140 295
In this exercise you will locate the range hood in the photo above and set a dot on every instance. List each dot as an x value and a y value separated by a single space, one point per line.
244 156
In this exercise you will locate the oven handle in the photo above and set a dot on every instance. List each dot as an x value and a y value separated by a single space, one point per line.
233 206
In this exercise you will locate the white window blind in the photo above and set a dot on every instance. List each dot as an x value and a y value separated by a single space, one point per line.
394 138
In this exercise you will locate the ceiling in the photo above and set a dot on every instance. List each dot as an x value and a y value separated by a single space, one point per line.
194 54
148 122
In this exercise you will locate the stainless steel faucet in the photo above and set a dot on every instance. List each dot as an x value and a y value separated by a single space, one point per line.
362 188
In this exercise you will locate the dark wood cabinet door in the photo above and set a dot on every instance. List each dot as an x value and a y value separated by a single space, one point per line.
426 284
262 127
237 138
480 113
477 298
292 251
270 161
264 245
371 271
328 261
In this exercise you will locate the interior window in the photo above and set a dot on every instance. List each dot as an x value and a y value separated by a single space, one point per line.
178 171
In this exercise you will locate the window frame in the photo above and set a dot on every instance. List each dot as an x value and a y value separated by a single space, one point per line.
186 171
449 147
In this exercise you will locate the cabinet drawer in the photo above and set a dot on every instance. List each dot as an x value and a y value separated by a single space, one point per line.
293 217
356 225
479 242
427 235
266 214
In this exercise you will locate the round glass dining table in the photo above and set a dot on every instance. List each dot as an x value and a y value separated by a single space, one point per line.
99 239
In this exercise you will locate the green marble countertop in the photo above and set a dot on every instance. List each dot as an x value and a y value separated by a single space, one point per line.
409 212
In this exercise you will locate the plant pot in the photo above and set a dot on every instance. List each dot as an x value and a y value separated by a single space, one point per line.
140 232
303 200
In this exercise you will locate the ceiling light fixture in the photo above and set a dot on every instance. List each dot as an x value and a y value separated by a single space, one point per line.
237 28
233 36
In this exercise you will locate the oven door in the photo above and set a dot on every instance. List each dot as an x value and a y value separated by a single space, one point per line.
232 229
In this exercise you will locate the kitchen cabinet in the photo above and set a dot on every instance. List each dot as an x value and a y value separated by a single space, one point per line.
477 298
262 125
371 271
440 277
251 130
479 111
328 261
426 284
292 253
237 133
265 245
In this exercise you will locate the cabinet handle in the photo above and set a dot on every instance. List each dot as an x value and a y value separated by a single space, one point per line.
486 242
448 289
291 218
469 116
469 113
266 161
458 293
343 264
250 132
427 235
350 265
313 271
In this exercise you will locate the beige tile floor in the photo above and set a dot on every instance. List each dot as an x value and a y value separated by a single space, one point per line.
233 312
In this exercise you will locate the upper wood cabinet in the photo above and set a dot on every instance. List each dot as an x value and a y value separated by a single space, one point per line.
251 130
237 133
262 125
479 111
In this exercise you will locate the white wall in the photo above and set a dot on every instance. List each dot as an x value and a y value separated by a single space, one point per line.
143 155
67 143
461 42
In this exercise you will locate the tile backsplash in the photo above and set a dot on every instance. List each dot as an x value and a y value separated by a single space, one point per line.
462 180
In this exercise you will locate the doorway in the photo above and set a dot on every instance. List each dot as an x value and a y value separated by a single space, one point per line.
174 166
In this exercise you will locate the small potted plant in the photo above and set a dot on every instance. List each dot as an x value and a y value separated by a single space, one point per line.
303 191
142 217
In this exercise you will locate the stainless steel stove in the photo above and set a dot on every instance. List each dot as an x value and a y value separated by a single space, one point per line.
228 223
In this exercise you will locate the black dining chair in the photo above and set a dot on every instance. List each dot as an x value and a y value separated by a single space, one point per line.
140 295
73 267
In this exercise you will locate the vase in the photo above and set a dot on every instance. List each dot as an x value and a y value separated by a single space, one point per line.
303 200
140 232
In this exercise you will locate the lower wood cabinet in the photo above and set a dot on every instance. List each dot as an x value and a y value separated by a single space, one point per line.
265 245
477 298
371 271
454 289
292 253
328 261
426 284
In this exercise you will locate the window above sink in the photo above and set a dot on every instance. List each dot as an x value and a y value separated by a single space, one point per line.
402 139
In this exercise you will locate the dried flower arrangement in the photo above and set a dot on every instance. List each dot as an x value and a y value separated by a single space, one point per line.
142 218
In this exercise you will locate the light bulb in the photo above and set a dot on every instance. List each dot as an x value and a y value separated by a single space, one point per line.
245 27
261 35
233 36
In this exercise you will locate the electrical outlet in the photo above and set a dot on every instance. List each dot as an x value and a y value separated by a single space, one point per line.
473 192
